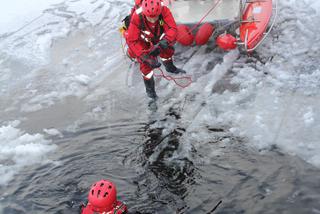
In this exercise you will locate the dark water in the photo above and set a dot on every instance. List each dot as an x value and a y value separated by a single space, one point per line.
145 162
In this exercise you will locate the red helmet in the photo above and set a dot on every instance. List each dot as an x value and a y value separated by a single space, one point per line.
103 196
151 8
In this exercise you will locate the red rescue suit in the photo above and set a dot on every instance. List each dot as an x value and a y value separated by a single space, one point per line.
140 41
120 208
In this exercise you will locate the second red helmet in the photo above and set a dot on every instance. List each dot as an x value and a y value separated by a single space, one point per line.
151 8
102 196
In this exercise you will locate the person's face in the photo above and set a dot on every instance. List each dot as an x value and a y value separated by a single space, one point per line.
153 20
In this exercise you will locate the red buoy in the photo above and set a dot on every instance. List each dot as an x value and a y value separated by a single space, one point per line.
184 35
226 42
204 33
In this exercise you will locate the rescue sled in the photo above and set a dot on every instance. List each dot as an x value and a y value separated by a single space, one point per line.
242 23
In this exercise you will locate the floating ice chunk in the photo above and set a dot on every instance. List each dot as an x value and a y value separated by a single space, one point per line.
19 149
83 79
53 132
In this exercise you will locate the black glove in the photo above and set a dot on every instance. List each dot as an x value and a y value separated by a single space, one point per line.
155 51
164 44
152 62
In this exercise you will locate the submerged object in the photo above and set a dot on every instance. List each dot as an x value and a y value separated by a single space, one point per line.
184 35
204 33
226 42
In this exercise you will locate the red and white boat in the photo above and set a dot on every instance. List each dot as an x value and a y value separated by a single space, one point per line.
242 23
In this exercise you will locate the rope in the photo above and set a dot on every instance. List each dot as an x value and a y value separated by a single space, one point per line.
123 46
205 16
25 25
188 78
174 79
162 74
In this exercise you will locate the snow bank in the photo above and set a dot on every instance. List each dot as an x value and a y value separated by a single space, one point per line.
19 149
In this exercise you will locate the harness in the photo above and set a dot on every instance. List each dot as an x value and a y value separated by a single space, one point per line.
146 31
119 208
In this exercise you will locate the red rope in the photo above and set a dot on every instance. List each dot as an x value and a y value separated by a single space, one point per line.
188 78
201 20
169 78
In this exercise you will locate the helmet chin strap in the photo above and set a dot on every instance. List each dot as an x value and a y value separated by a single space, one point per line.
152 20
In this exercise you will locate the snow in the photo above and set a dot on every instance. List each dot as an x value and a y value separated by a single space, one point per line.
277 102
315 4
272 100
17 13
19 149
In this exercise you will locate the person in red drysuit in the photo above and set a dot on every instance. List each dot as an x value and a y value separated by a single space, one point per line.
152 32
102 199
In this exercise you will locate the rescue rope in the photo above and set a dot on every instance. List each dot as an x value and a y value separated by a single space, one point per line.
188 78
174 79
205 16
123 46
162 73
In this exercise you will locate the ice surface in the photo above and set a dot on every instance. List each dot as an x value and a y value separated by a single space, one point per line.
17 13
271 100
61 45
277 102
19 149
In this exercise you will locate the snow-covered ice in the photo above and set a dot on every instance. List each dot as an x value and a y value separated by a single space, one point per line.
276 102
17 13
